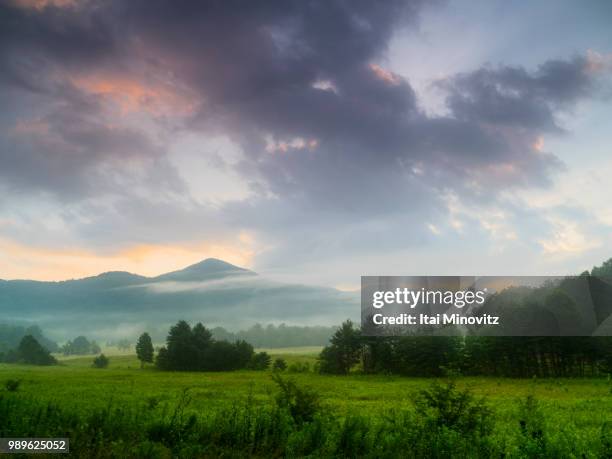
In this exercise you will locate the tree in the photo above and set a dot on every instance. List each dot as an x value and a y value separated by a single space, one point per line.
80 346
243 354
162 361
124 344
144 349
181 351
194 349
94 348
202 337
260 361
426 355
101 361
605 270
343 352
30 351
11 335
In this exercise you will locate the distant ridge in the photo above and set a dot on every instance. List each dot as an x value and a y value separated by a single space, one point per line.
210 268
121 304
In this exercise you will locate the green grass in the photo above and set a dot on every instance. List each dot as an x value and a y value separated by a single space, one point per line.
582 405
74 381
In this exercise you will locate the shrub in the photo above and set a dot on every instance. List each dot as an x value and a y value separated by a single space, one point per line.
279 365
446 407
531 424
352 437
12 385
101 361
302 403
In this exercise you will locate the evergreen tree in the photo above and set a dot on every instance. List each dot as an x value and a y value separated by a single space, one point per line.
182 354
202 337
194 349
343 352
605 270
144 349
260 361
427 355
30 351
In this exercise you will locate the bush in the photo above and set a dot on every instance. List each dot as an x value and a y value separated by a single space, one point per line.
101 361
531 424
352 437
302 403
259 361
446 407
279 365
12 385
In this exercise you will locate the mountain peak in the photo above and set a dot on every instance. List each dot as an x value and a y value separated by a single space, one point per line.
213 263
210 268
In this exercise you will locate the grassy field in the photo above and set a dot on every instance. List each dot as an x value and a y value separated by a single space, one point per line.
74 382
580 408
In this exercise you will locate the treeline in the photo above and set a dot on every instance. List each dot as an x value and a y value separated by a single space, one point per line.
471 355
11 335
580 303
278 335
195 349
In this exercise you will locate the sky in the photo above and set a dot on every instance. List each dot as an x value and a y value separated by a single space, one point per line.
313 142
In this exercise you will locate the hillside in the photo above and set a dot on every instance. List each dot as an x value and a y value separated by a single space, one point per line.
116 304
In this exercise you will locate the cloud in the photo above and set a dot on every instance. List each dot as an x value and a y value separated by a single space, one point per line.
335 148
75 151
515 98
567 239
264 83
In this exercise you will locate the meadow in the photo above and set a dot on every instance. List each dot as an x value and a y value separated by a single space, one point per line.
531 417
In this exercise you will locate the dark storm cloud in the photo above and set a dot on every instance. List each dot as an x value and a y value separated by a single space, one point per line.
34 43
71 149
287 72
56 137
513 97
296 84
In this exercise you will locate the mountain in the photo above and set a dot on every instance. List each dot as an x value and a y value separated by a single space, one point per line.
211 268
121 304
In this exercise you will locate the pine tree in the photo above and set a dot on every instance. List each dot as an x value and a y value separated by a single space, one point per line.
144 349
30 351
343 352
